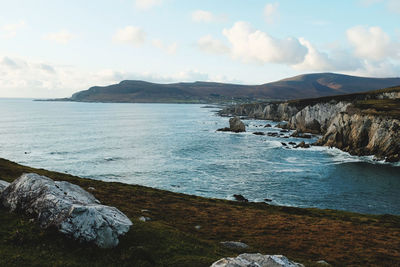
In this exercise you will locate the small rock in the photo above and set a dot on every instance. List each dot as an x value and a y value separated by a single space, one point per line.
259 133
226 129
234 245
267 199
267 125
292 143
240 198
144 219
283 144
197 227
302 145
256 260
283 125
145 210
284 131
91 188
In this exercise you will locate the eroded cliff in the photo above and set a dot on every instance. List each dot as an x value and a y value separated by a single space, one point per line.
361 124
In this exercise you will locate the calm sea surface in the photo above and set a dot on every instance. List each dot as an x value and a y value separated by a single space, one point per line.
175 147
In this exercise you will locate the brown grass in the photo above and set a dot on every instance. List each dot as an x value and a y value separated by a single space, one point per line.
307 235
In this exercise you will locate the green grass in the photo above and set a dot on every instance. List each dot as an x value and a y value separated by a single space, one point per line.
171 239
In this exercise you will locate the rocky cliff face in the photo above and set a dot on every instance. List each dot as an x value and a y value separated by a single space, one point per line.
263 111
364 135
316 118
361 124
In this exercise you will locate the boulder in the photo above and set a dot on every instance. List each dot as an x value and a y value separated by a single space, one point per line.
283 125
236 125
302 144
267 125
235 245
256 259
69 208
3 185
259 133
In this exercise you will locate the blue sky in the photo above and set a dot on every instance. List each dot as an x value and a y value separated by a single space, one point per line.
55 48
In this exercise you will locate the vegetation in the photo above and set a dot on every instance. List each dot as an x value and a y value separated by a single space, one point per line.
171 238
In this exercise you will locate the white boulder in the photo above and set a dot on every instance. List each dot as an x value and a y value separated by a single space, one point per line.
68 207
256 260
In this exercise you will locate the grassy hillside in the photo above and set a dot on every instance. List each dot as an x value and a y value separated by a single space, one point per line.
303 86
171 238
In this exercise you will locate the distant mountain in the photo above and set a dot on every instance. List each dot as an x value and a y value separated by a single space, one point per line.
302 86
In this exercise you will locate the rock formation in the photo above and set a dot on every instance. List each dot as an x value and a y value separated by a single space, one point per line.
256 259
364 135
235 125
67 207
361 124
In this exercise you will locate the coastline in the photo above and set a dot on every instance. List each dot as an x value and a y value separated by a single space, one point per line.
303 234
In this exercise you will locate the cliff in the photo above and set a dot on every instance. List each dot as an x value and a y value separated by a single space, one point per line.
308 85
361 124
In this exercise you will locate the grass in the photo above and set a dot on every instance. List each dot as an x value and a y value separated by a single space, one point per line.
171 238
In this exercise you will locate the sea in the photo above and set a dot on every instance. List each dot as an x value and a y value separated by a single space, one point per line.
176 147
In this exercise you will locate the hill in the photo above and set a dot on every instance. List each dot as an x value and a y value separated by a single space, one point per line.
171 237
302 86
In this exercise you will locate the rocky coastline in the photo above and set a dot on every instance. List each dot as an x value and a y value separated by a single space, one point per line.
362 124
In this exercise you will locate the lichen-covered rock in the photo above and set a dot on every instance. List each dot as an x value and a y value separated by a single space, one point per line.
256 260
3 185
236 125
67 207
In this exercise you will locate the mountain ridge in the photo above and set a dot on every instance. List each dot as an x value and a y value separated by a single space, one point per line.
300 86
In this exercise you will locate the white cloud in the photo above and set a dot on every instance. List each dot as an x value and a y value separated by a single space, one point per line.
206 16
249 45
61 37
24 78
336 60
130 35
147 4
210 45
372 43
271 13
10 30
170 49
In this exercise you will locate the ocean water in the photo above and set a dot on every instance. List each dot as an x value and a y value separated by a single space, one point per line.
176 147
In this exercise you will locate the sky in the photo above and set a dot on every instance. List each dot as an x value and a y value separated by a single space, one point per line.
55 48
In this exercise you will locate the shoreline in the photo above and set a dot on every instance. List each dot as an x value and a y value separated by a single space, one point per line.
305 235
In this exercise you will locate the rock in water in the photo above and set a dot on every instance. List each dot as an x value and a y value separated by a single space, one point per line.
3 185
302 145
236 125
256 259
68 207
